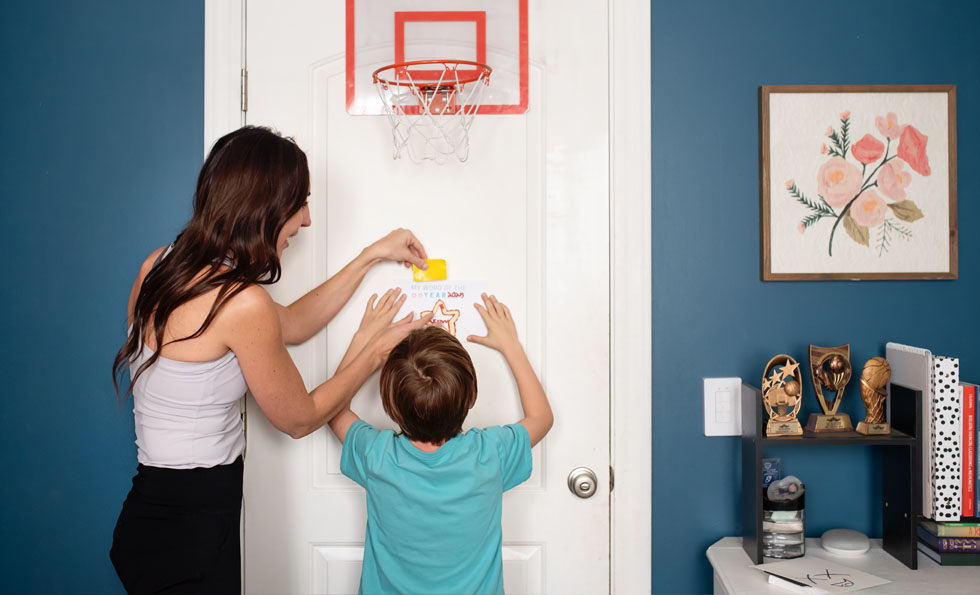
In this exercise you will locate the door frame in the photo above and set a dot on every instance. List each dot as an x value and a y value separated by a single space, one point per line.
630 190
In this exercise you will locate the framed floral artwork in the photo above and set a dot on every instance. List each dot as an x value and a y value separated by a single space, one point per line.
858 182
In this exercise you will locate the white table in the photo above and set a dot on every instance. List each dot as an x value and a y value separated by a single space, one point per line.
734 575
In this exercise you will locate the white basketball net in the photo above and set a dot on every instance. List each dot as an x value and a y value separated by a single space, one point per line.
430 116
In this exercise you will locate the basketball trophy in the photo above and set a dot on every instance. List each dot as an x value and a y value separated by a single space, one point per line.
830 369
874 377
781 396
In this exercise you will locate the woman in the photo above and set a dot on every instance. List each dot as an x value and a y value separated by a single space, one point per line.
203 329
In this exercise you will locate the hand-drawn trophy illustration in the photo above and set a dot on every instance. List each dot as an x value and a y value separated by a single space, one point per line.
874 377
781 395
830 369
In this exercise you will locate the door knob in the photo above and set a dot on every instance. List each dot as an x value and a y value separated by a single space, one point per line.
582 482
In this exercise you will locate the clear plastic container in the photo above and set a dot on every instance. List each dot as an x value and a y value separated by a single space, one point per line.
783 527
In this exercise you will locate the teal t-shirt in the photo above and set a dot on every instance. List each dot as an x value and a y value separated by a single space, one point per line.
433 519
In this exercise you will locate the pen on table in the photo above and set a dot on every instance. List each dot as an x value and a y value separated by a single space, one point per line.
787 579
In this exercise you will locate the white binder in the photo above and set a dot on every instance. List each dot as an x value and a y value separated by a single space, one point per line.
912 368
938 379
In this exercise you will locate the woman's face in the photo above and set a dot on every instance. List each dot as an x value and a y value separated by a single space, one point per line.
300 219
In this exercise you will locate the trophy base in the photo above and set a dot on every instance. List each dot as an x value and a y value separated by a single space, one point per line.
838 422
784 428
873 429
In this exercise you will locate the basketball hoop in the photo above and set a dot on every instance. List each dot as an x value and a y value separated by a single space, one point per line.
430 105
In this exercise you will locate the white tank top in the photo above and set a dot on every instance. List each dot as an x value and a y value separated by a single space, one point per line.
188 414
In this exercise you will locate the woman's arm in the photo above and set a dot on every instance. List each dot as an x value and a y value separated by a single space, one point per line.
251 326
306 316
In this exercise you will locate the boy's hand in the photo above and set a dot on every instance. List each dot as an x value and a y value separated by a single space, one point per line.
502 336
382 343
379 315
501 330
378 329
377 334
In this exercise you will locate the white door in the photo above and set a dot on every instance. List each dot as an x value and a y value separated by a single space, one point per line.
528 212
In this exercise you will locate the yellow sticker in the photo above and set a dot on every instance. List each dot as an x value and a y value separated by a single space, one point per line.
435 272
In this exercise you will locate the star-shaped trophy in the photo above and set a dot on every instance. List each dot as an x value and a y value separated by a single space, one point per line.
781 390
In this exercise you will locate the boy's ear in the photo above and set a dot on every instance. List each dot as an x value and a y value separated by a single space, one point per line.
472 402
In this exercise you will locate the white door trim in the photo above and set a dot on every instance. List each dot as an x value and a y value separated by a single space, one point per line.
630 254
224 62
631 300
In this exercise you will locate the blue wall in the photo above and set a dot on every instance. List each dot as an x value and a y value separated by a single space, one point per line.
712 315
102 140
103 137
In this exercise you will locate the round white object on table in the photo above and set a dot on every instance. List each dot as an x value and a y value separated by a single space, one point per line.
845 542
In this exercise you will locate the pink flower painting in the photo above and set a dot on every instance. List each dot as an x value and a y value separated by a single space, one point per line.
866 185
838 181
869 209
888 126
893 179
868 149
912 150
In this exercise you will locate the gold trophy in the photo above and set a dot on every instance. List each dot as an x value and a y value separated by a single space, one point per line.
830 369
781 395
874 377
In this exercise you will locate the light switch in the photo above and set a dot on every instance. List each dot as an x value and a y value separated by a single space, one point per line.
722 407
724 404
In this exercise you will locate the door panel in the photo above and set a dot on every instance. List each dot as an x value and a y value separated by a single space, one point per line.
527 212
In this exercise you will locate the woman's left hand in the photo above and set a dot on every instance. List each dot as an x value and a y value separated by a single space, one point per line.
400 246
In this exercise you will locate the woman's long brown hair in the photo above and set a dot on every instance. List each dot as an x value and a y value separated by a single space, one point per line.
252 182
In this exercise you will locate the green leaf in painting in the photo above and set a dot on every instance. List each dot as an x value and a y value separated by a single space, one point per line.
906 210
858 233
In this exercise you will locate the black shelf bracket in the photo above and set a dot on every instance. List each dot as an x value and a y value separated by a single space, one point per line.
901 469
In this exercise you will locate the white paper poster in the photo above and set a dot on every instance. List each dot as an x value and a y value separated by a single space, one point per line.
451 301
832 577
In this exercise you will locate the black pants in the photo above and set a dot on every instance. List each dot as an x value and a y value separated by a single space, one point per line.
178 531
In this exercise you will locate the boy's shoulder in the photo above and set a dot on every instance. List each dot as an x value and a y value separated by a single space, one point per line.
505 431
364 437
510 434
362 434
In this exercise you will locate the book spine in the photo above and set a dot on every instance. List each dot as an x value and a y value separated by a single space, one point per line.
958 531
945 459
969 448
959 544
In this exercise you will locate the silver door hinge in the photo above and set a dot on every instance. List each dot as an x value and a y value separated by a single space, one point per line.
612 478
244 90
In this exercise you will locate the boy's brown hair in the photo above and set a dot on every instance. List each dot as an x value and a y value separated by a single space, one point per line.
428 385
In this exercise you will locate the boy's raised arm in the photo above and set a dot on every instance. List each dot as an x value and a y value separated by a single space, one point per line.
380 334
502 336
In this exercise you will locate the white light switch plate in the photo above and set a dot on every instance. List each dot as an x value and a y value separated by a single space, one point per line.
722 406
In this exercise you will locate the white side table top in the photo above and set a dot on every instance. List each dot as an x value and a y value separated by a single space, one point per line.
734 573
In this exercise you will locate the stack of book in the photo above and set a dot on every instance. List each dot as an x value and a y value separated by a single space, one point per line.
951 543
950 435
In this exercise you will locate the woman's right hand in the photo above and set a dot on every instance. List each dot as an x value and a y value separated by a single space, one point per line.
400 246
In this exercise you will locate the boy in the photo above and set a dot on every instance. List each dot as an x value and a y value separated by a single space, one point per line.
433 492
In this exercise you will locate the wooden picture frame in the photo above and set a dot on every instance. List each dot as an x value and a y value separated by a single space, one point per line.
857 182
